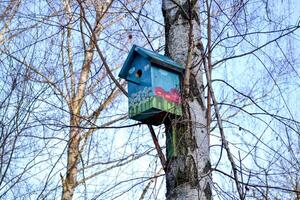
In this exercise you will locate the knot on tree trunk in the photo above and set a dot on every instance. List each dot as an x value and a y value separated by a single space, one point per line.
182 170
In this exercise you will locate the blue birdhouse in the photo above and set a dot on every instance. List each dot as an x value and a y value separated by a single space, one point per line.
154 85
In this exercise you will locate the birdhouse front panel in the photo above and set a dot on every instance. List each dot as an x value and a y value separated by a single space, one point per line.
139 72
139 88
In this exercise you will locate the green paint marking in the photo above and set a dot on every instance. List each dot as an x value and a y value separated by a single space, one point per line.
155 102
171 142
174 141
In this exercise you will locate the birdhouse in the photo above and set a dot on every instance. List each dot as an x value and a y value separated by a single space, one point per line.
154 84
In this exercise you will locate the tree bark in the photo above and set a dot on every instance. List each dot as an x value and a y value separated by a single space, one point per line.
70 182
188 175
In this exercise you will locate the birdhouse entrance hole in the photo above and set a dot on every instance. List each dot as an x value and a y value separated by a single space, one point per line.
138 73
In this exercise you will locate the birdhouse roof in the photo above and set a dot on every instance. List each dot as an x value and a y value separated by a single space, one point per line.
156 58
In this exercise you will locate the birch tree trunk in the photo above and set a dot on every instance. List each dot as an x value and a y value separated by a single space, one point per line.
188 175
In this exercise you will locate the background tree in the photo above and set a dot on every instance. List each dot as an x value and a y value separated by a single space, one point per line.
76 92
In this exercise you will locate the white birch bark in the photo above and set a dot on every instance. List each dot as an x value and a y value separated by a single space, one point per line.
189 171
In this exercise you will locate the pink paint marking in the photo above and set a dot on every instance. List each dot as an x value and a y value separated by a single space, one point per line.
172 96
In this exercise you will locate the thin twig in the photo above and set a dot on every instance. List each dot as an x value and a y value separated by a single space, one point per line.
224 141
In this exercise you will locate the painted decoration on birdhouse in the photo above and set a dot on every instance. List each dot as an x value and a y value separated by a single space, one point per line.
153 86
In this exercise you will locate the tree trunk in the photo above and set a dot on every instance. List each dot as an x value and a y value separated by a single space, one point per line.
188 175
69 183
